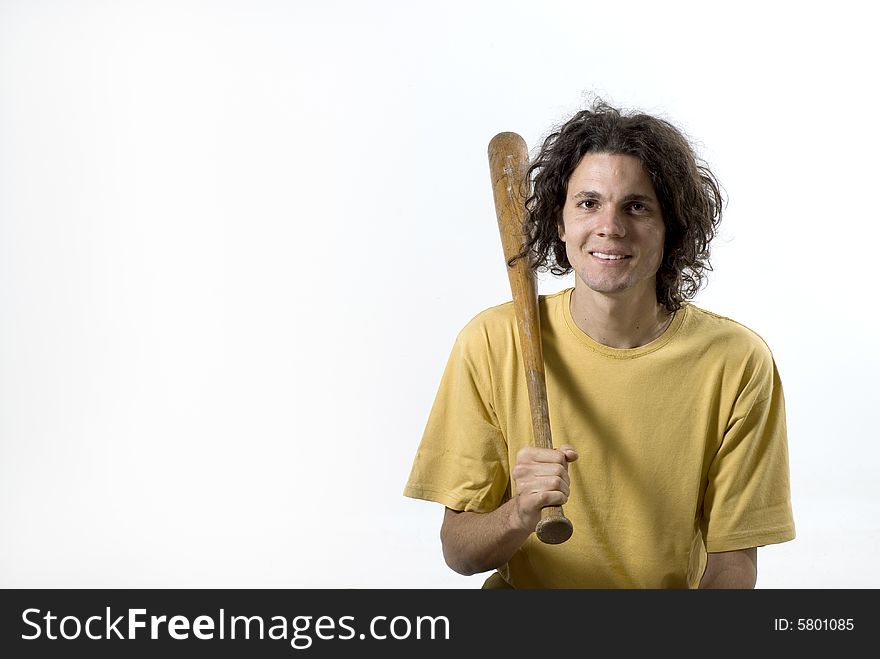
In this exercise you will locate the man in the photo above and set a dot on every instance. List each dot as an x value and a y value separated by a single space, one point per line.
669 420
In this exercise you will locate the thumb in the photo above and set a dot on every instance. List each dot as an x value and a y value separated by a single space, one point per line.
568 451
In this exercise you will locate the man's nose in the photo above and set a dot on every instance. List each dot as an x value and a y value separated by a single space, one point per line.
611 224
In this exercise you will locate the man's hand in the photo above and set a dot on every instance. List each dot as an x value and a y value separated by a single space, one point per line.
541 477
476 542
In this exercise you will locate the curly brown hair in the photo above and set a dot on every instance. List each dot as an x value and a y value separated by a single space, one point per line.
689 194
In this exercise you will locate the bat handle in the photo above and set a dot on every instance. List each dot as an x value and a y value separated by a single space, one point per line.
554 527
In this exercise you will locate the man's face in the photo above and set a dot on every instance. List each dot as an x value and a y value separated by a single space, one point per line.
612 225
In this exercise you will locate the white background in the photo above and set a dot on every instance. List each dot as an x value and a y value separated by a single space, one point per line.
237 240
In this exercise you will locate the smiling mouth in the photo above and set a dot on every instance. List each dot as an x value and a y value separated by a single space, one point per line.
610 257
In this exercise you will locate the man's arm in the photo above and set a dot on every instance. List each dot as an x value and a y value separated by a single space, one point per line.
477 542
731 569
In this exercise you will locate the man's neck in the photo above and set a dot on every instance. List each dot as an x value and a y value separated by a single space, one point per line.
626 320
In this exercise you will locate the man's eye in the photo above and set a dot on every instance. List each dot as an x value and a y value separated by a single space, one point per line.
638 207
588 203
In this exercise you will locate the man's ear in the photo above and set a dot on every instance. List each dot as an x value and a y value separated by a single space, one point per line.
560 227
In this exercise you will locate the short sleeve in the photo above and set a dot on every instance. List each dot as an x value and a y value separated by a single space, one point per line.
462 459
747 501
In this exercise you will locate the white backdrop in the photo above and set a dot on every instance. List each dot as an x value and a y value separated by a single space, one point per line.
237 240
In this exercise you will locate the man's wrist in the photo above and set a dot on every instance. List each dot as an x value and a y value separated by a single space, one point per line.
517 521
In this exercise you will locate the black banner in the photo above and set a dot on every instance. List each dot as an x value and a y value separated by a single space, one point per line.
340 623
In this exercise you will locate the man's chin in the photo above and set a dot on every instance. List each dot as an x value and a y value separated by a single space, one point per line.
608 287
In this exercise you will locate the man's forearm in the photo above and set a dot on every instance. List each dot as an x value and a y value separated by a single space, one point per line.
477 542
731 569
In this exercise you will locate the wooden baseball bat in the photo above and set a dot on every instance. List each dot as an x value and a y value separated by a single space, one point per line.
508 166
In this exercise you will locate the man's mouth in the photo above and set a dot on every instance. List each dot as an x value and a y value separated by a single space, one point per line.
610 257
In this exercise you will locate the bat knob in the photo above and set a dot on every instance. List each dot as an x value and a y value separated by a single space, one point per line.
554 528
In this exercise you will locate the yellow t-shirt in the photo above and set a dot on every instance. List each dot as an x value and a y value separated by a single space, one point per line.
682 445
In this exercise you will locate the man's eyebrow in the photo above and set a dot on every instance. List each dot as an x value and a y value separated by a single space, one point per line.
592 194
638 197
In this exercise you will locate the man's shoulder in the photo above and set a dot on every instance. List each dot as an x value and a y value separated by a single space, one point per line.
726 333
498 322
489 325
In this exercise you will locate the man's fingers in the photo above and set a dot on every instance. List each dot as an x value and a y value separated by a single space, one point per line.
539 484
563 455
533 469
542 499
532 454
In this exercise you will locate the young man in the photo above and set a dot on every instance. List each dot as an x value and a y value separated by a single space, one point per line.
668 420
